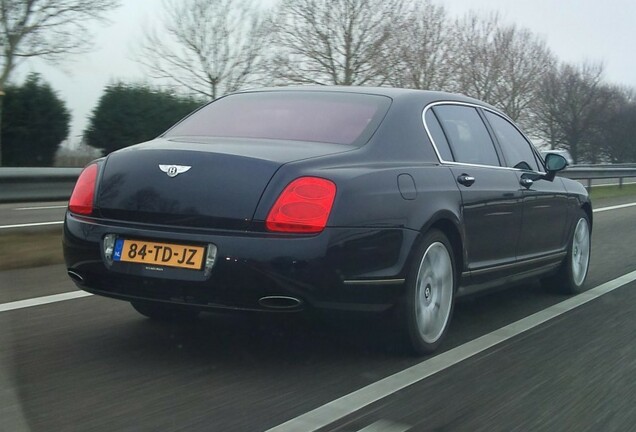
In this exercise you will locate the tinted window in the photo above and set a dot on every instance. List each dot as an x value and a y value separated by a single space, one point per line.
339 118
438 136
515 148
467 134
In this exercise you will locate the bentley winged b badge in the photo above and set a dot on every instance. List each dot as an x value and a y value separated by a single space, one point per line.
174 170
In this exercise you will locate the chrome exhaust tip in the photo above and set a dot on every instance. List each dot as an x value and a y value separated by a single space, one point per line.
280 302
75 276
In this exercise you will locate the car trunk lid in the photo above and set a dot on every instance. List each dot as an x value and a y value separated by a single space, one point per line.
151 182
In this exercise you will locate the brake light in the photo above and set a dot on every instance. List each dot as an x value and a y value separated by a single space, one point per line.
303 207
81 201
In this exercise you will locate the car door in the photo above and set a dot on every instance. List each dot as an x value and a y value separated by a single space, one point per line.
544 202
490 194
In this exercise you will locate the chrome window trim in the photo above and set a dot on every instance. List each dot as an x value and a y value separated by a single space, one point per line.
472 105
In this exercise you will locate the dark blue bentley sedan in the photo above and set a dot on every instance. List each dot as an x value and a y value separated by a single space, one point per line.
363 199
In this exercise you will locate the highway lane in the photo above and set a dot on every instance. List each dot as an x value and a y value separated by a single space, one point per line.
25 213
576 373
93 364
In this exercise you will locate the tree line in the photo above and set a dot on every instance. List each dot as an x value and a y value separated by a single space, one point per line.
208 48
213 47
51 30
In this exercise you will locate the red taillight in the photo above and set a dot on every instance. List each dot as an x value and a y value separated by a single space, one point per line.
81 201
303 207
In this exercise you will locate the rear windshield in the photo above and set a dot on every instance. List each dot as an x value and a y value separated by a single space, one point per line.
337 118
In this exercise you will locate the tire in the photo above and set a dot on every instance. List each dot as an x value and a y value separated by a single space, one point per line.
570 278
430 290
165 312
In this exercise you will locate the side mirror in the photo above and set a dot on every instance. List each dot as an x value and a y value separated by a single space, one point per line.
553 164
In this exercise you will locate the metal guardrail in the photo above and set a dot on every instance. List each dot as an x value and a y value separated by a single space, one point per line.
605 165
37 184
600 172
56 184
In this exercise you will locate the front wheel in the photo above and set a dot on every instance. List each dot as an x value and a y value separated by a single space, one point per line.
430 290
570 277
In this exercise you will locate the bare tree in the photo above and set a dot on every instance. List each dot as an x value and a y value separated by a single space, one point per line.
525 60
418 52
48 29
500 64
619 138
606 138
570 107
210 47
331 41
476 67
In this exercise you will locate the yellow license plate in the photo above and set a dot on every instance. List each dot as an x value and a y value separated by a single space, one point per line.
160 254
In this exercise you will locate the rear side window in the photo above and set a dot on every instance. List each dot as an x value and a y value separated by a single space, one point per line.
337 118
516 149
467 134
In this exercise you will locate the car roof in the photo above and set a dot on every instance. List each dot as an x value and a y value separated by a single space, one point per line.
398 94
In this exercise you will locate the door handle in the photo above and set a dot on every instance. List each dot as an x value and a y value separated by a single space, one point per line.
526 182
466 180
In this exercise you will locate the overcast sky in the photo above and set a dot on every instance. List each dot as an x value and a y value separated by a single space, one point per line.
576 30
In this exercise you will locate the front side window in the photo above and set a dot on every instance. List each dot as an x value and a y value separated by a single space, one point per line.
467 135
328 117
515 147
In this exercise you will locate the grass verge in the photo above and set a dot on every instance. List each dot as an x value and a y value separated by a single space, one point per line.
602 192
20 249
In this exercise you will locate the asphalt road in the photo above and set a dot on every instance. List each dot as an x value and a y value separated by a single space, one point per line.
93 364
28 213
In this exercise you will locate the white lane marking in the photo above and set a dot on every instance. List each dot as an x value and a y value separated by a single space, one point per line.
348 404
616 207
27 225
385 426
40 208
37 301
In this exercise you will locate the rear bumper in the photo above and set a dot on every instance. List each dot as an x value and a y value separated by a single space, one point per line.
341 268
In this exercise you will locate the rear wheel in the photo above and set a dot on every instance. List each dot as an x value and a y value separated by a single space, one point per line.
572 273
428 305
165 312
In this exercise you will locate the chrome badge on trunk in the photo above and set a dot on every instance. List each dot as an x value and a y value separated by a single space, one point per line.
174 170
